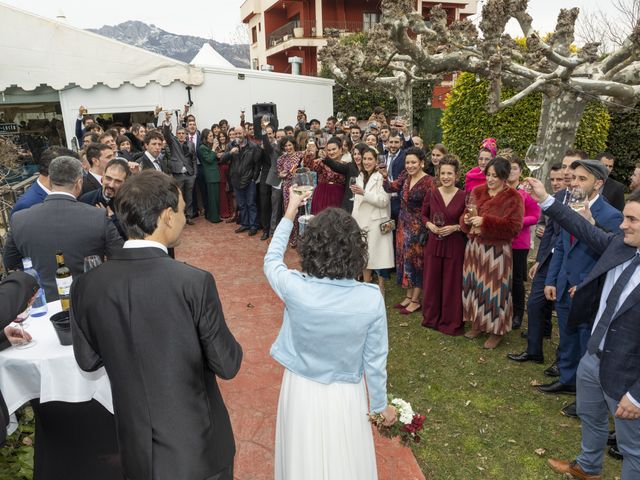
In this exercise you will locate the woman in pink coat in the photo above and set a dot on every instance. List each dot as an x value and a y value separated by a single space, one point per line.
476 176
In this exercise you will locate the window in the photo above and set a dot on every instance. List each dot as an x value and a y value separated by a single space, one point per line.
369 19
254 35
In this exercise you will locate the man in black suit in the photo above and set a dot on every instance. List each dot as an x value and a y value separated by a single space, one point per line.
60 223
162 351
15 293
98 156
182 162
613 190
152 157
609 373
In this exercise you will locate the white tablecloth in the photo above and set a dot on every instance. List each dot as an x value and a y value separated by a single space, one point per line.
49 371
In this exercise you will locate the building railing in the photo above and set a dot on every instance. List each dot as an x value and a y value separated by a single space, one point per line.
307 29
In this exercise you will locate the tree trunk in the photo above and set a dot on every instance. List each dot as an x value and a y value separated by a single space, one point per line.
559 120
404 97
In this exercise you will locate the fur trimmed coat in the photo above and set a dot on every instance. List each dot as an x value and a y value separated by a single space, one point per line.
502 215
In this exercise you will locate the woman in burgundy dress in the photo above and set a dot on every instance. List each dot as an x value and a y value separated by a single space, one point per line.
413 185
226 196
330 188
444 251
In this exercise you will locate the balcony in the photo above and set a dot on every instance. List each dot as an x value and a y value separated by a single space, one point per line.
307 29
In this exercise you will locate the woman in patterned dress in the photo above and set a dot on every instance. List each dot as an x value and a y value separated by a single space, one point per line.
491 223
411 234
287 164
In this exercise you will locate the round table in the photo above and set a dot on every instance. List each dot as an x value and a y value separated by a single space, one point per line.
75 429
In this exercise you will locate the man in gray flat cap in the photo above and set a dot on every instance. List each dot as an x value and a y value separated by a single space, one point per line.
571 262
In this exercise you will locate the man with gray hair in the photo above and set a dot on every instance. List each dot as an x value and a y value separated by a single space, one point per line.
60 223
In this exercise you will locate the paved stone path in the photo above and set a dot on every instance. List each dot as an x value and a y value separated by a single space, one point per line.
254 313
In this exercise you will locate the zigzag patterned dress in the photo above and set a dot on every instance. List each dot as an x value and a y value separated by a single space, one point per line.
486 287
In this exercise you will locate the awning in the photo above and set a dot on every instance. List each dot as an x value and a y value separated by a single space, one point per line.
38 51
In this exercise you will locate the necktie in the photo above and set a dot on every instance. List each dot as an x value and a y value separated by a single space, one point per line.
612 302
156 164
191 138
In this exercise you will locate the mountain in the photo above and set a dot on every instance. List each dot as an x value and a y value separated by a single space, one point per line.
180 47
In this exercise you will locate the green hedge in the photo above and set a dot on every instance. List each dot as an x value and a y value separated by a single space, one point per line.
465 122
624 143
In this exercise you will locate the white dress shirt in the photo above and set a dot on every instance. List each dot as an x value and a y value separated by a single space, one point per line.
144 244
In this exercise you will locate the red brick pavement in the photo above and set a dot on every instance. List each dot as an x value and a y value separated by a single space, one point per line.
254 313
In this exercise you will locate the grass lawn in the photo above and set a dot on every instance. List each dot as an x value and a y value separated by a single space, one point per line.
486 421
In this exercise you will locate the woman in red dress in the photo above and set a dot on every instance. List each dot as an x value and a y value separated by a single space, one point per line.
330 188
444 251
226 196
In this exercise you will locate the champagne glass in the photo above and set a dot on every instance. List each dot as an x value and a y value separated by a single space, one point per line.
20 320
534 158
382 161
302 184
577 198
352 183
91 262
472 208
439 221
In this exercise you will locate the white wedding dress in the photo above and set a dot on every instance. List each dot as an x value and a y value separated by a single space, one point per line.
323 431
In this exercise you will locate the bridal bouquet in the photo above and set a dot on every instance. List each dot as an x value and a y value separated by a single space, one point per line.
408 423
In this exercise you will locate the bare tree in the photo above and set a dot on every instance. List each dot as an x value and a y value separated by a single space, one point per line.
567 80
609 28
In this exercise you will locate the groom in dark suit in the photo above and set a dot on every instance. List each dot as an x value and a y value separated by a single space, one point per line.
608 378
158 328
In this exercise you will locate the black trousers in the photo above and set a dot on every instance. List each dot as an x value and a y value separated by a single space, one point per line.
519 276
200 187
264 206
539 311
75 441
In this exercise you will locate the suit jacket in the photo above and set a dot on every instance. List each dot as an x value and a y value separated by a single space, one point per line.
571 262
35 194
146 163
161 335
273 152
90 183
182 155
60 223
396 169
620 359
15 292
94 198
551 232
613 191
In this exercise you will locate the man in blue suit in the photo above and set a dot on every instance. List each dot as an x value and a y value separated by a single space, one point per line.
39 190
607 300
395 166
571 262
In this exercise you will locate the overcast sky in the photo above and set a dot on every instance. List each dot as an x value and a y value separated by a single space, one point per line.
218 19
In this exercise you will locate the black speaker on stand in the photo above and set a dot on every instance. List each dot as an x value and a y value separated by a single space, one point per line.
258 111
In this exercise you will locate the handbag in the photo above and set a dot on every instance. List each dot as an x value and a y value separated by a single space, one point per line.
388 226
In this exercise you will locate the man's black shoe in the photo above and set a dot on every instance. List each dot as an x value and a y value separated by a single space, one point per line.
570 410
557 387
614 452
241 229
611 439
252 232
552 371
190 222
524 333
525 357
516 322
264 236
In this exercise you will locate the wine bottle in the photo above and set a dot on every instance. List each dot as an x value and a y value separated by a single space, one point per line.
63 281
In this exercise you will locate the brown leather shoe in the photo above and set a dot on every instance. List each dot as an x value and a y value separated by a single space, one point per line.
571 468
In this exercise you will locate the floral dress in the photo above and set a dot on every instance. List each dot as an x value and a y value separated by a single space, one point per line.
410 232
289 163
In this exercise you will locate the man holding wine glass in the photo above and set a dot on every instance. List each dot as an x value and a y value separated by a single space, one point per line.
572 260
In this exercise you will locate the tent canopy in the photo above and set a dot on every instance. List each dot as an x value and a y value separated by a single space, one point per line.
38 51
208 57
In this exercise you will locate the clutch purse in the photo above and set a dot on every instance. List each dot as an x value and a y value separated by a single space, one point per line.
388 226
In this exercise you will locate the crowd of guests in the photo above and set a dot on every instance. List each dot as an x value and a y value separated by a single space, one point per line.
460 253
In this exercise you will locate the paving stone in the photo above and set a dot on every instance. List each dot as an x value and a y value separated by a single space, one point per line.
254 314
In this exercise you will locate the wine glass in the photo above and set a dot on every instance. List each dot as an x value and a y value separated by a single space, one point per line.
439 221
472 208
534 158
352 183
19 321
91 262
302 184
577 198
382 160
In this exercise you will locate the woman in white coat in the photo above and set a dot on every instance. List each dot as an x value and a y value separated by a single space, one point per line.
370 209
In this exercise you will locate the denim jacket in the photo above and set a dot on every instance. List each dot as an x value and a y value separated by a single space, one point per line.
332 330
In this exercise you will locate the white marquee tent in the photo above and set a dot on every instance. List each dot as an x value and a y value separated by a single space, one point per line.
44 60
208 57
